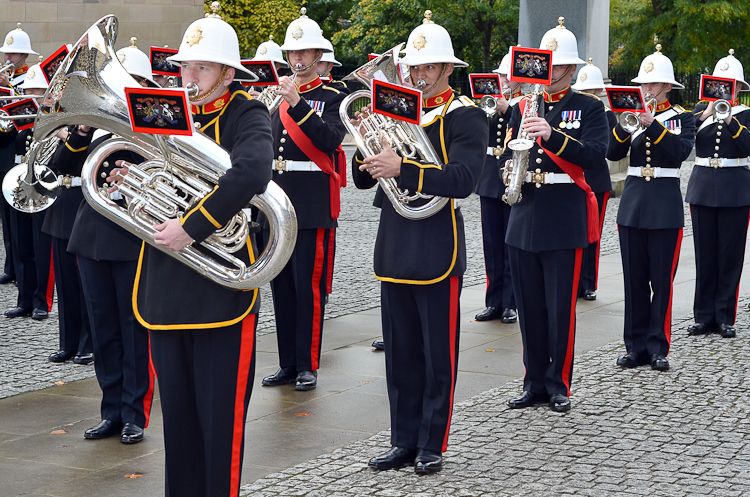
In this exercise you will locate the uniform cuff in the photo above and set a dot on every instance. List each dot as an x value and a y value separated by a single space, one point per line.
557 142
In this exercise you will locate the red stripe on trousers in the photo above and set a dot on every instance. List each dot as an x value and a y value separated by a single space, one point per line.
51 279
243 371
317 275
331 252
453 317
572 326
599 242
149 398
668 317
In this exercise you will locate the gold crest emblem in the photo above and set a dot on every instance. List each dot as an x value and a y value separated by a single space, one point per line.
552 44
9 41
297 33
121 57
584 76
439 100
648 67
219 103
263 50
724 67
30 75
194 36
420 41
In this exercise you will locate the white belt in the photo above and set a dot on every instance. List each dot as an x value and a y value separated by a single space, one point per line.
69 181
491 151
294 165
653 172
19 159
115 196
548 179
717 162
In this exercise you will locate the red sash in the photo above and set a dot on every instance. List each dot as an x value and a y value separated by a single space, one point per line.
576 173
321 159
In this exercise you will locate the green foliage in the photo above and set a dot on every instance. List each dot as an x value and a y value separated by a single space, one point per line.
694 34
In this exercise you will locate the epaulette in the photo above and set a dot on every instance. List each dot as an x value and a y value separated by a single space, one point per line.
679 108
589 95
331 89
466 101
338 81
743 106
702 102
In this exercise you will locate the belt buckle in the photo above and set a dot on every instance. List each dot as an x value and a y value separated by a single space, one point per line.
497 152
715 162
537 177
67 181
279 165
648 172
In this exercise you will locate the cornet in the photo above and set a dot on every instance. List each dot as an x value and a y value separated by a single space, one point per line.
630 121
722 110
10 67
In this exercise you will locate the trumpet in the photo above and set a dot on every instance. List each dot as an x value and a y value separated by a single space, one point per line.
722 110
629 120
10 67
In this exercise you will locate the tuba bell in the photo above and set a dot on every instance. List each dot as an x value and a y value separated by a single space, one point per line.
409 140
31 186
89 89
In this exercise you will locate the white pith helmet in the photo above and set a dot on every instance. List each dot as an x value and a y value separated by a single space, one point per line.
17 41
329 57
304 34
504 67
563 44
35 77
589 77
211 40
270 50
729 67
135 61
430 43
657 68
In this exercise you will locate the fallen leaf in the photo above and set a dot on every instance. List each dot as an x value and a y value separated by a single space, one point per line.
302 414
59 383
59 432
133 475
365 381
490 350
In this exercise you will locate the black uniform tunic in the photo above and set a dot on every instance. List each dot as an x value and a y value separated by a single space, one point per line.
719 199
547 232
421 264
650 220
299 290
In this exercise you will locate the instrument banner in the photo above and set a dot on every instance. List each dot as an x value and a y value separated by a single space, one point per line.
52 63
159 63
159 111
20 108
485 84
265 70
626 99
530 65
395 101
714 88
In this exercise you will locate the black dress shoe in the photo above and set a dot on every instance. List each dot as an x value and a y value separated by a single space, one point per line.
559 402
427 462
131 434
701 328
306 380
632 360
509 316
39 314
589 295
378 344
280 377
527 399
18 312
60 356
489 314
5 278
105 429
727 331
659 363
84 359
395 458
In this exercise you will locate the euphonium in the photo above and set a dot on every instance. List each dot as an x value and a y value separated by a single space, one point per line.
515 169
88 89
270 97
409 140
31 186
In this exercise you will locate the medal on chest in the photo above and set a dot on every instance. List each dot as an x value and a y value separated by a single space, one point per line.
674 126
571 119
317 106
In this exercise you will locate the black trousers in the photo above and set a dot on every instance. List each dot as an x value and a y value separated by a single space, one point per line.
75 331
649 263
421 330
546 286
32 258
495 214
121 344
719 235
590 265
205 381
8 266
299 300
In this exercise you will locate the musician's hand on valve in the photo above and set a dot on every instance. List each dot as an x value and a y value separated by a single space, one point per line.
4 79
288 90
386 164
502 105
646 119
116 175
171 234
536 127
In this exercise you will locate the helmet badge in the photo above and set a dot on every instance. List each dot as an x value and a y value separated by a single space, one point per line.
31 74
121 57
419 41
648 67
9 41
552 44
724 66
263 50
194 36
297 33
584 76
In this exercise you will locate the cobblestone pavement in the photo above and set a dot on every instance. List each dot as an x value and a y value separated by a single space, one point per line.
630 433
25 344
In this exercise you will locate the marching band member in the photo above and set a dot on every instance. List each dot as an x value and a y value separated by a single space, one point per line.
420 263
650 217
553 222
499 299
325 66
203 334
590 81
269 50
107 258
307 131
719 196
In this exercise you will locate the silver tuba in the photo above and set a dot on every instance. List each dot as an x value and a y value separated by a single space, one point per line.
516 168
409 140
88 89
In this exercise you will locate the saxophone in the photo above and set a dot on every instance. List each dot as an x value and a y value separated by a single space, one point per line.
514 174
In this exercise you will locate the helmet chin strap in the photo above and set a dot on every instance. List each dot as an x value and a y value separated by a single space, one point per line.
567 71
207 93
296 69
